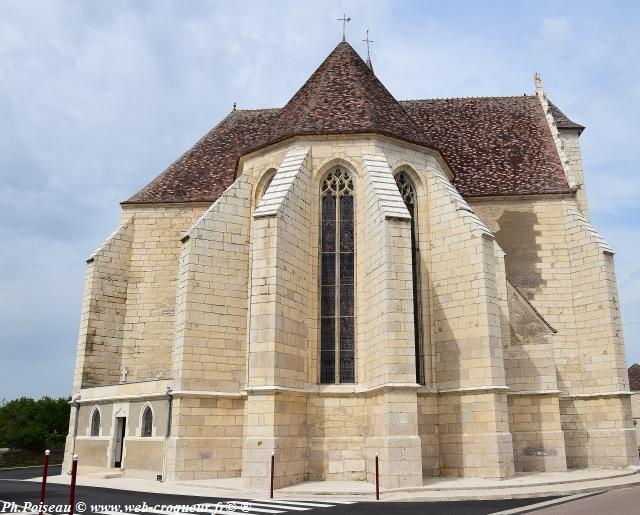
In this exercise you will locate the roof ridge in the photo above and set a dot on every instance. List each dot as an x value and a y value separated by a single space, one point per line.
257 109
465 98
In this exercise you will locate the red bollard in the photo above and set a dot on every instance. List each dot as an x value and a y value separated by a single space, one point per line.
273 466
72 487
45 470
377 480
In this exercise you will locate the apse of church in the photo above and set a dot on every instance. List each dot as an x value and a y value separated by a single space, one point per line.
351 276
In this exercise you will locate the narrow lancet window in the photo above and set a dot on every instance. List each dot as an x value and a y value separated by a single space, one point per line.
408 191
337 328
147 422
95 423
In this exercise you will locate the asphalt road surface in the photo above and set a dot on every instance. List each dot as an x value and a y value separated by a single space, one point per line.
13 489
625 501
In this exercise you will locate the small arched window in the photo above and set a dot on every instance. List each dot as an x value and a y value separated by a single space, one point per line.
147 422
95 422
408 191
337 328
266 182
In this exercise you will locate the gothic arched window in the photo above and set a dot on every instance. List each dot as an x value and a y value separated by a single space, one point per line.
95 423
337 328
267 182
147 422
408 191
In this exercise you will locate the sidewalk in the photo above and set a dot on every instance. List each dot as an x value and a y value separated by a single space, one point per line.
434 489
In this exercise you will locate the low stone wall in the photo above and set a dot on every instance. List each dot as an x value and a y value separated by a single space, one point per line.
25 457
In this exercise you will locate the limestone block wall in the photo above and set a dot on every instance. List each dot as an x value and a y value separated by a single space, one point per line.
429 431
209 351
393 436
533 235
474 434
467 311
281 268
337 429
464 293
597 421
389 349
635 411
534 410
99 352
538 439
597 309
529 355
151 289
278 353
389 345
565 269
570 143
206 436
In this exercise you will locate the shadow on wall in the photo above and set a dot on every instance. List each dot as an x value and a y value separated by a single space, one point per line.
517 237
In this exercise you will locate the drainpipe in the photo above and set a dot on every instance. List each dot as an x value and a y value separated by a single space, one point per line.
75 403
167 433
170 401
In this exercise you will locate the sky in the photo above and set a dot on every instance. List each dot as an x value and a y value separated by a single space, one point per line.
99 97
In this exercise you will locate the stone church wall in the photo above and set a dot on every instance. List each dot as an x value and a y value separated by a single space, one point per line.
278 349
229 320
151 290
99 352
467 311
209 352
565 269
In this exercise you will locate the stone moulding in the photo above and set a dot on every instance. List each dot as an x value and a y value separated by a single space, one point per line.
332 390
598 394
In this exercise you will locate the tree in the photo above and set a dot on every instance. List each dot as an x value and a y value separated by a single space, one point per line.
26 423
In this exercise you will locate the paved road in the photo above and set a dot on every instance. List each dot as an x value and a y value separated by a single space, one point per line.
29 472
619 502
26 491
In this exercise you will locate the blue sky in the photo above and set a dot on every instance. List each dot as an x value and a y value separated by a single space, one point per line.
98 97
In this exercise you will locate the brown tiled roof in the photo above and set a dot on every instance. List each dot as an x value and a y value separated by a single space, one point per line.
209 167
562 121
634 377
343 96
495 146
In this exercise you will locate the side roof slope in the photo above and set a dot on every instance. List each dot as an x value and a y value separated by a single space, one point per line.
495 146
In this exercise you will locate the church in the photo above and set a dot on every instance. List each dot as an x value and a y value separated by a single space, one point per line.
352 276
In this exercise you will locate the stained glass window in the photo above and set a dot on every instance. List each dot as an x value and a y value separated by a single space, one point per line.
337 324
408 191
147 422
95 423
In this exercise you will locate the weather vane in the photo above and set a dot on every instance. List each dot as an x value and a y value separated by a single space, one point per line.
367 41
344 21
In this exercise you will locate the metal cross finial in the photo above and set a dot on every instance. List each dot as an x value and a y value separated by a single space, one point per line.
344 21
367 41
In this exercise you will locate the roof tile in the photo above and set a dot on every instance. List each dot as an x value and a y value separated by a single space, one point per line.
494 146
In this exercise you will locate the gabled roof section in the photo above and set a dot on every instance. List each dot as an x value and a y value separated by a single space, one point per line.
562 120
343 96
209 167
495 145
